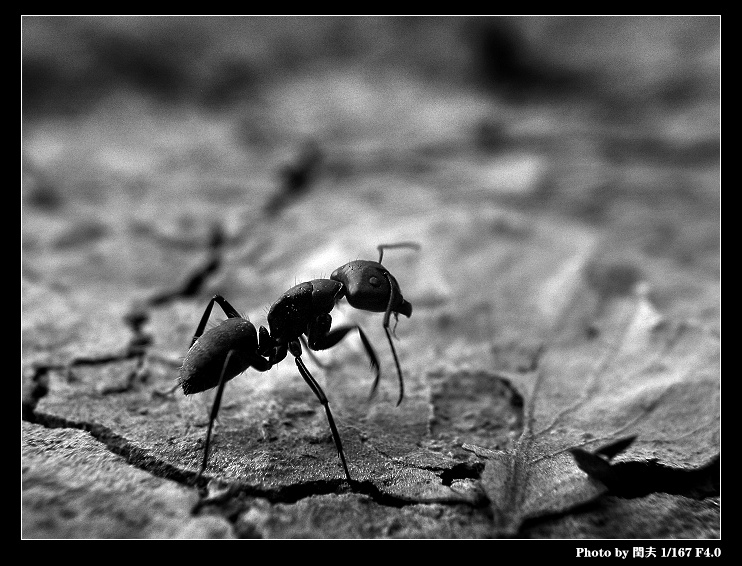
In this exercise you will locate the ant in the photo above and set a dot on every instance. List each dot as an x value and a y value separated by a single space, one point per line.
300 315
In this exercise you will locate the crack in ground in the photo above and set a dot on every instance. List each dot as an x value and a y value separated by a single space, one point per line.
35 388
195 282
297 177
293 493
37 384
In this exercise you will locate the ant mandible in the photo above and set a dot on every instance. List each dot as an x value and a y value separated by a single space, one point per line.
301 314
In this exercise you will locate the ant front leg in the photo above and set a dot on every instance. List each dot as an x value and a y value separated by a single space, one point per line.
295 349
320 337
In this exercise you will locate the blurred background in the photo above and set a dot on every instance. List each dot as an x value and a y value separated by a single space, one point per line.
143 138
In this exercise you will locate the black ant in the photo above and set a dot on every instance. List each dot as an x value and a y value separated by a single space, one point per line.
301 314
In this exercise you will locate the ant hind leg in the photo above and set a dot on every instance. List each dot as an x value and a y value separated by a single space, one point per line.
228 309
256 362
214 413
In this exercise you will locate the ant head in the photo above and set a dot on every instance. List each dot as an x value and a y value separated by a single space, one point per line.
369 286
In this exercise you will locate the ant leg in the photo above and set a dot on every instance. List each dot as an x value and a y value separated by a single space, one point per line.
277 353
228 309
256 362
322 339
381 247
214 413
315 359
317 390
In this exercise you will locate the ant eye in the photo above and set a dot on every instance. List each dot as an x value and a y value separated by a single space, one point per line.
374 281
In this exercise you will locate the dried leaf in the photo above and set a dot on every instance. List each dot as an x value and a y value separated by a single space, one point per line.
636 389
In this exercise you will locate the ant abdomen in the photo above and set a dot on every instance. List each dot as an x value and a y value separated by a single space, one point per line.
203 365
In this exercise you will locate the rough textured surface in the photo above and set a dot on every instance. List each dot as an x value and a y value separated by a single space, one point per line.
74 487
562 178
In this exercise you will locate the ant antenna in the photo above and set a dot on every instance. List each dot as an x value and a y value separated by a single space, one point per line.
411 245
389 333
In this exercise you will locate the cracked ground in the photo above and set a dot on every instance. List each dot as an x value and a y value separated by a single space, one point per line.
548 169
